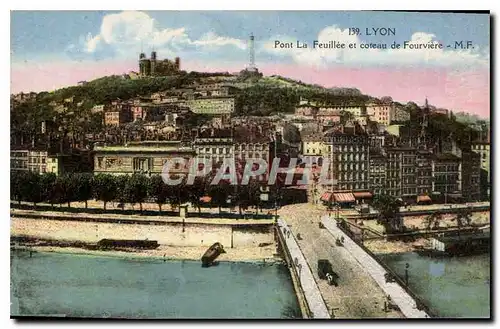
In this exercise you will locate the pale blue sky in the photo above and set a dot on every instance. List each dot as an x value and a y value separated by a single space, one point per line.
47 34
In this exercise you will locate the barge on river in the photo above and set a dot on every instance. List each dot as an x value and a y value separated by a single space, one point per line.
458 245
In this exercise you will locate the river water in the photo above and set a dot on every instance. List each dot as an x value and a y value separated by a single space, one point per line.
90 286
451 287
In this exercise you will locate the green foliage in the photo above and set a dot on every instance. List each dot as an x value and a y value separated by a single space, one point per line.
48 188
84 183
157 190
104 188
136 189
388 208
220 193
266 97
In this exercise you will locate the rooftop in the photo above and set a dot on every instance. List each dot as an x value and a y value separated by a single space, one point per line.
138 148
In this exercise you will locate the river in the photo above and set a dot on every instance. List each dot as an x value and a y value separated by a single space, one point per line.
56 284
456 287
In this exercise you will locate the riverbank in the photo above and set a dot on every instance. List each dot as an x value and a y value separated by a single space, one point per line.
390 247
262 254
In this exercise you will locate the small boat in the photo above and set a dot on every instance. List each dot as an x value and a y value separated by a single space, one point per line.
211 254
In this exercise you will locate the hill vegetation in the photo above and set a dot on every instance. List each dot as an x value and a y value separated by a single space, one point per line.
258 96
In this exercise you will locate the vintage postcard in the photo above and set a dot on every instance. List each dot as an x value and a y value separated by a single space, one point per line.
250 165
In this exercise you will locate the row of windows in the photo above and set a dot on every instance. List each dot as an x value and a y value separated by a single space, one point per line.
356 186
347 148
351 166
446 168
350 176
409 191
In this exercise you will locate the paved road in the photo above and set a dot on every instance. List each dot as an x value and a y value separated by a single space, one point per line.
312 294
357 295
377 272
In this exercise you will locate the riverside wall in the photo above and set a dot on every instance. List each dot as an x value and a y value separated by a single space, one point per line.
178 234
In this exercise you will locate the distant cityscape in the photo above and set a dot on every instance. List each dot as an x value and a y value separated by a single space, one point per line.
375 147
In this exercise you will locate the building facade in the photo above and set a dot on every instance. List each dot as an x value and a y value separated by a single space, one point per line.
348 153
380 113
144 159
212 106
447 176
471 175
29 160
118 113
483 149
378 172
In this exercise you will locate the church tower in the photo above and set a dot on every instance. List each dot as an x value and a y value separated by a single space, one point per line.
153 62
144 65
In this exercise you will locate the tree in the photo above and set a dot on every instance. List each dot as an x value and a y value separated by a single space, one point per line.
137 189
69 187
432 221
104 188
122 193
16 185
31 191
84 184
176 192
219 194
196 191
254 193
389 215
464 216
242 198
157 190
48 187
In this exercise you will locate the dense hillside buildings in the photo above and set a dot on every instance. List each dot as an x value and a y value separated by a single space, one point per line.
371 147
117 113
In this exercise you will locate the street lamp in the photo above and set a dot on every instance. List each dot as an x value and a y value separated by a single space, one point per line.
407 266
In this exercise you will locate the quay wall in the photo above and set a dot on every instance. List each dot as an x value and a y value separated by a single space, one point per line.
177 234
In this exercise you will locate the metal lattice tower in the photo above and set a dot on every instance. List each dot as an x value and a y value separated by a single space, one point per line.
423 125
251 52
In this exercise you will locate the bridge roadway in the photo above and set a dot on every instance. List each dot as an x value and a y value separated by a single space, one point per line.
405 302
357 295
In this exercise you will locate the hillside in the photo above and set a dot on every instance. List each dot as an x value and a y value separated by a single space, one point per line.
68 109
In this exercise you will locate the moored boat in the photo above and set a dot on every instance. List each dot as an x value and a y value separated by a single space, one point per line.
211 254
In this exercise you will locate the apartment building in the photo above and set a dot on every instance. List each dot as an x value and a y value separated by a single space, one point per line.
146 158
348 151
212 106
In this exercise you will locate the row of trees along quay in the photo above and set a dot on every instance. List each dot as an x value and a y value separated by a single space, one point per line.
131 189
389 215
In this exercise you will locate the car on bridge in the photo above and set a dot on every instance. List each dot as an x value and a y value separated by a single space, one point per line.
325 272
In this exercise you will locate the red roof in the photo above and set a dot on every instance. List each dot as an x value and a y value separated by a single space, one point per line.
361 195
344 197
423 198
326 196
